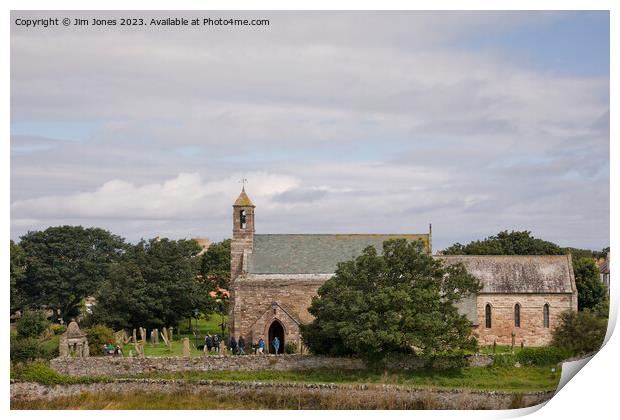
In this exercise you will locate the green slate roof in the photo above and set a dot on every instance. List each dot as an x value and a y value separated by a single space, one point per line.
313 254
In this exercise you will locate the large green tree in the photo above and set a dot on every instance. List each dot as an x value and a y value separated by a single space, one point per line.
401 301
215 264
65 264
591 290
153 285
506 243
18 271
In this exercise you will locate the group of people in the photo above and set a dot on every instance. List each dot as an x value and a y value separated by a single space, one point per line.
212 343
112 350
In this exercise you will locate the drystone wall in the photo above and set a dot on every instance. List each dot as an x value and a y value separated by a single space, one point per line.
120 366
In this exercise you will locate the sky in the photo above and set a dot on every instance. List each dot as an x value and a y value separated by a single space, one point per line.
342 122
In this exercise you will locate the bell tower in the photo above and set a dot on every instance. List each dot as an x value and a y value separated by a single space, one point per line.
243 233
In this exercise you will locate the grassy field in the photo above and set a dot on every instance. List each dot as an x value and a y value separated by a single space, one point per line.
508 379
204 326
244 400
524 379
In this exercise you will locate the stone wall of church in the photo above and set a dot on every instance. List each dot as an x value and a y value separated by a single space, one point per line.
531 331
284 298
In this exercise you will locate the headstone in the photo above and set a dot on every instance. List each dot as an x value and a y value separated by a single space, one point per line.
165 338
133 336
170 334
186 352
156 334
513 339
494 346
63 347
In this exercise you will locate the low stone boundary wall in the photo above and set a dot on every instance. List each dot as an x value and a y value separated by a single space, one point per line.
358 396
115 366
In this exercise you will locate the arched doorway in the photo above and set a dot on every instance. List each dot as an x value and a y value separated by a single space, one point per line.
276 330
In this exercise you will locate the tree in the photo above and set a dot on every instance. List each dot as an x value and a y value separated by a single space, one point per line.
215 264
18 271
153 285
31 324
580 332
65 264
401 301
591 291
507 243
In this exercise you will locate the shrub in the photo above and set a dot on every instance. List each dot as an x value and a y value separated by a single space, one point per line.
541 356
32 324
98 336
58 329
579 333
25 349
37 372
290 348
504 360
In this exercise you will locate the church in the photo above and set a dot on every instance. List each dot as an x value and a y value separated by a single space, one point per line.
275 276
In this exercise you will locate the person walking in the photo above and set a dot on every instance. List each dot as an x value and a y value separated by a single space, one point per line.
209 342
276 345
241 344
216 343
233 345
261 346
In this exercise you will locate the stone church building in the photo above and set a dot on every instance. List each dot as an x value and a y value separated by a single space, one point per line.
275 276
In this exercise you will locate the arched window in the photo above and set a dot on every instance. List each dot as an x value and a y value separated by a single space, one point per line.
487 316
546 315
242 219
518 315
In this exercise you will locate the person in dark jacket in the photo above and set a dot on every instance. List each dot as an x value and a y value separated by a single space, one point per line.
241 345
216 343
208 343
233 345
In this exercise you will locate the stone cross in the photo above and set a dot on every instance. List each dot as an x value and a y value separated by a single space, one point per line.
186 352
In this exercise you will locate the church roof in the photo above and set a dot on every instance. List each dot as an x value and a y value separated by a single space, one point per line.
243 200
313 254
518 273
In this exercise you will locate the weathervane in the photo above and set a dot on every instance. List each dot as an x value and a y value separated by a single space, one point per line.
243 181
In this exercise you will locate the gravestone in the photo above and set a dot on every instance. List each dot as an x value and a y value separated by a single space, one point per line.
156 334
133 336
186 352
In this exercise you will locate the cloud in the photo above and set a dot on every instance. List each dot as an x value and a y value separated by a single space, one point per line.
186 196
377 122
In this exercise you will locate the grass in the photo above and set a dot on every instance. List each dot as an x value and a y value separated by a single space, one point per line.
507 379
524 379
246 399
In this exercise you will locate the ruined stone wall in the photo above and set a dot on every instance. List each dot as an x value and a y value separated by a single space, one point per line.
531 331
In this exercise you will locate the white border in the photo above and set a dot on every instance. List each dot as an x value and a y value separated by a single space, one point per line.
591 395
